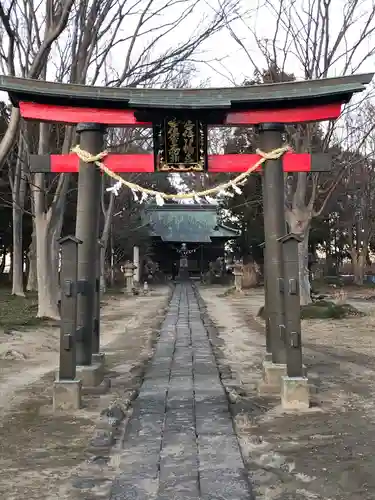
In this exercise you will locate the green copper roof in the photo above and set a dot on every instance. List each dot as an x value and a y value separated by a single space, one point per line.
187 223
327 90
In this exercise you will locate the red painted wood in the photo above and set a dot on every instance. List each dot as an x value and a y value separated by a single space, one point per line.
125 117
292 115
144 163
71 114
292 162
138 163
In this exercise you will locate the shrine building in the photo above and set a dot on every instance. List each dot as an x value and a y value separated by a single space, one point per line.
197 226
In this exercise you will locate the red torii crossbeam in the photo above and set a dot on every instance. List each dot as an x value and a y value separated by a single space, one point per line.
144 163
286 103
127 118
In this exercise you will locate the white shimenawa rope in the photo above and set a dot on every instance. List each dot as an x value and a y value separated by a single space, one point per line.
141 194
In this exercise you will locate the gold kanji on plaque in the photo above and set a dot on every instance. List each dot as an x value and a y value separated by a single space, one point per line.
180 145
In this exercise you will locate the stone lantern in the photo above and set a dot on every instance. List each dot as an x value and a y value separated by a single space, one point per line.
129 269
238 275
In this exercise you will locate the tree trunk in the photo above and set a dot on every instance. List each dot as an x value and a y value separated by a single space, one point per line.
48 230
48 223
103 280
55 253
26 265
299 222
250 275
18 198
32 280
47 300
359 264
104 239
112 261
303 271
17 275
47 264
10 275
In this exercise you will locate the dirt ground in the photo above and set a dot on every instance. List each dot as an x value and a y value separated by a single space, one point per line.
326 453
40 452
323 454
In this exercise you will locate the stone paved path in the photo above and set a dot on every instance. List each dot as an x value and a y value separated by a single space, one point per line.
179 443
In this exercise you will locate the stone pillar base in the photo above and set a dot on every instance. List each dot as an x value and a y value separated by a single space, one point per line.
67 395
91 375
295 393
272 376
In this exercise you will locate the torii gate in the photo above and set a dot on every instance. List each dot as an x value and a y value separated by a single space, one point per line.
180 119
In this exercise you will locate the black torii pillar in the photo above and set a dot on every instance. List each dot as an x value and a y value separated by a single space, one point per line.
270 138
87 230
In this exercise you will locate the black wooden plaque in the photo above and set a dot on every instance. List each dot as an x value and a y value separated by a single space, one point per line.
180 145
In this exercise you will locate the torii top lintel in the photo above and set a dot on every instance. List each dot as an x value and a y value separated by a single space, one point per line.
290 102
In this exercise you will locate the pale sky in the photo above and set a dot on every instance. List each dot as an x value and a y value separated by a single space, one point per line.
226 62
235 65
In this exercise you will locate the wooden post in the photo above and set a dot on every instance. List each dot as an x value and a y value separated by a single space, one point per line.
68 324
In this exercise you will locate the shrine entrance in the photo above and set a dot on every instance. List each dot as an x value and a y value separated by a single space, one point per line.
187 236
179 119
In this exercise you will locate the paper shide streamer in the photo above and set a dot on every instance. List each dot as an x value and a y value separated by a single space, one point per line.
141 194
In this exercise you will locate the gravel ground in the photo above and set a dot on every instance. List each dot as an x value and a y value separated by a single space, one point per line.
45 455
327 452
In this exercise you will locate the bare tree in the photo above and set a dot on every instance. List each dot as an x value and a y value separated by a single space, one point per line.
354 199
16 40
21 31
88 52
306 37
24 50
